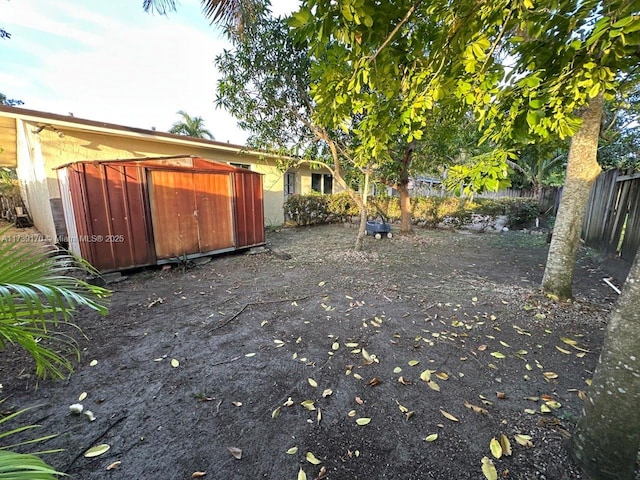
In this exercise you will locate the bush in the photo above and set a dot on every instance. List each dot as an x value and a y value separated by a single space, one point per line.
307 209
519 211
430 211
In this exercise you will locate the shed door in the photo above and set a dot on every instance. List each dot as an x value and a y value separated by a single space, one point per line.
191 212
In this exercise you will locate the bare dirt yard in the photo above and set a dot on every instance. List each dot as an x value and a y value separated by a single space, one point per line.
400 362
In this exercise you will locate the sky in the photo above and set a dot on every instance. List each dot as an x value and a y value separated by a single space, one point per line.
109 61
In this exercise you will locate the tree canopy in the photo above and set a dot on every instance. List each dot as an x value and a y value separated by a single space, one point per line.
190 126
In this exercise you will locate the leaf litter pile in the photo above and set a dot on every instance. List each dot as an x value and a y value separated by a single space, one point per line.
425 357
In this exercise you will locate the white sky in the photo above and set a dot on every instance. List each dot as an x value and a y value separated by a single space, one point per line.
109 61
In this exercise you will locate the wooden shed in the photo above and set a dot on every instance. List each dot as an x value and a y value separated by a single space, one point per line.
122 214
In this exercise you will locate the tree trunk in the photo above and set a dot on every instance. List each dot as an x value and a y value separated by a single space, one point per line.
405 209
582 171
607 438
359 246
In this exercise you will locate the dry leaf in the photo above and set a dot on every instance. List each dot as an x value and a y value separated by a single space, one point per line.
97 450
319 416
433 385
113 465
276 412
82 396
442 375
496 448
308 404
397 370
93 363
413 363
352 413
175 363
322 473
562 350
497 355
431 438
335 346
550 375
403 381
312 382
524 440
237 404
249 355
292 451
501 395
482 348
288 403
236 452
489 469
449 416
327 392
475 408
363 421
302 475
198 474
311 458
506 445
374 381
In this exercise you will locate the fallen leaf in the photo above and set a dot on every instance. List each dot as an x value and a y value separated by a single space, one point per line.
442 375
496 448
497 355
431 438
175 363
489 469
351 345
363 421
569 341
249 355
374 382
82 396
397 370
550 375
326 393
357 376
312 382
322 284
501 395
433 385
288 403
449 416
236 452
413 363
506 445
403 381
301 474
93 363
562 350
113 465
482 348
311 458
237 404
276 412
352 413
475 408
308 404
426 375
505 344
335 346
292 451
524 440
198 474
366 355
97 450
359 401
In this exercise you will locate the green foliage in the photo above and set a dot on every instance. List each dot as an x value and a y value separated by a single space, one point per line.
307 209
23 466
38 295
484 172
519 211
190 126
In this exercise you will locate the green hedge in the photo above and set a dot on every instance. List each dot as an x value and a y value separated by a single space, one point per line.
429 211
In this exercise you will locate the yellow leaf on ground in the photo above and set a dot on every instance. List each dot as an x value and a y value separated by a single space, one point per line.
311 458
363 421
489 469
302 475
496 448
449 416
432 438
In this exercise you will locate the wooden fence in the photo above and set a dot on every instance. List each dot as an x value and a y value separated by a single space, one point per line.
612 220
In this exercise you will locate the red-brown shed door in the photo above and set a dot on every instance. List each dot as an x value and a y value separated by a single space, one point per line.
191 212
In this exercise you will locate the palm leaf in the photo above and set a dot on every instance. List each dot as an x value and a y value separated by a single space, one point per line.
37 292
22 466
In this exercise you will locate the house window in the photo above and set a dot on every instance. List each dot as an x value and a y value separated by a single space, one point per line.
289 184
240 165
322 183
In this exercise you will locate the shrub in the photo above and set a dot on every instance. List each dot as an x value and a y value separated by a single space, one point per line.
519 211
342 207
307 209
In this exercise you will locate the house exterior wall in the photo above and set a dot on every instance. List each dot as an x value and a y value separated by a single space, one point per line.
37 146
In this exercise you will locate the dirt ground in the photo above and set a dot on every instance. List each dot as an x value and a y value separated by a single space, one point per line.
286 352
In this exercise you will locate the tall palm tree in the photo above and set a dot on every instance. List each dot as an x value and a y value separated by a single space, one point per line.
190 126
233 14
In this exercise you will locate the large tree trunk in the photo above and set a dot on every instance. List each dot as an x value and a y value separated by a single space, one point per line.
607 438
405 209
582 171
